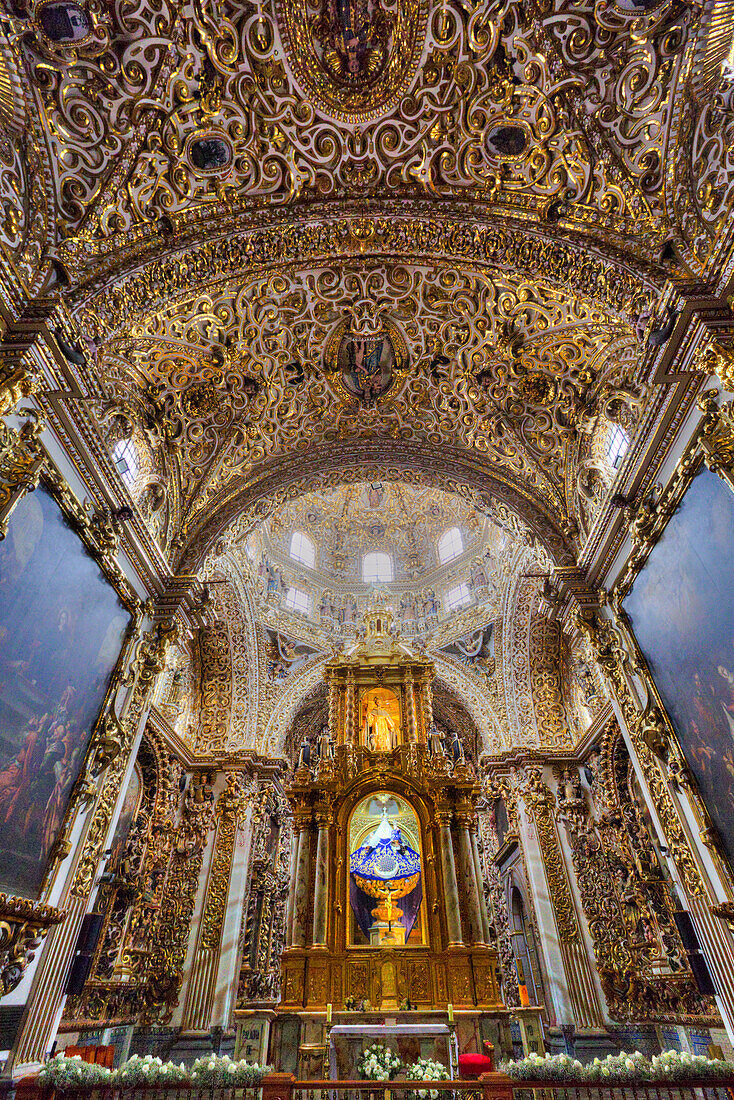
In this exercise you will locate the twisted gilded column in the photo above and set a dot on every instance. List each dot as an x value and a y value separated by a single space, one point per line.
333 706
321 884
349 724
300 898
426 704
410 700
469 877
450 886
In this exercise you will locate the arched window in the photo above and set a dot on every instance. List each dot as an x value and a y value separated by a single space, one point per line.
376 567
302 549
450 545
125 459
616 446
458 597
297 600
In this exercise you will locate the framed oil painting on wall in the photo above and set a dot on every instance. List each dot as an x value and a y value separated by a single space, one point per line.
62 627
682 611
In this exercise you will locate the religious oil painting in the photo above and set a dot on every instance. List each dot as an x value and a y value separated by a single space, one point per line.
62 627
380 719
682 612
385 872
367 365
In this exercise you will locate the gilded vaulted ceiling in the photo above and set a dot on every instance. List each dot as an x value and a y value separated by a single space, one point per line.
439 250
498 367
543 110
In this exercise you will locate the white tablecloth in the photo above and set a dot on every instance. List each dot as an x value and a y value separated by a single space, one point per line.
380 1031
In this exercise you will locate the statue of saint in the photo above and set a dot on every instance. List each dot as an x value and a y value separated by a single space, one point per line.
380 727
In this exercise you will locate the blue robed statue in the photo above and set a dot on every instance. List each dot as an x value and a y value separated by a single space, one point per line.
387 868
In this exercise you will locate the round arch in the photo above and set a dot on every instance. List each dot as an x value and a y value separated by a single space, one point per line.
108 302
495 493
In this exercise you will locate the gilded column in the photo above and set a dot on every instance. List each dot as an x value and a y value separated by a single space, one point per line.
300 901
480 882
334 706
450 886
426 705
469 876
582 991
410 700
293 863
321 885
349 724
202 981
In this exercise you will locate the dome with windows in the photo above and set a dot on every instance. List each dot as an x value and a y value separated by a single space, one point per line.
324 555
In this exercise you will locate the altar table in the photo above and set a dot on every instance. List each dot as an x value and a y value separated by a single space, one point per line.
382 1031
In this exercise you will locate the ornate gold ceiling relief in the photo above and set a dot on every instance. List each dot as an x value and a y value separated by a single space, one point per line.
239 376
26 214
555 115
699 181
354 59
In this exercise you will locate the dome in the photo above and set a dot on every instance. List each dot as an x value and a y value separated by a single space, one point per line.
325 554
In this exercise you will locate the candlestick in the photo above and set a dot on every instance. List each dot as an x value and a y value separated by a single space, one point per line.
451 1014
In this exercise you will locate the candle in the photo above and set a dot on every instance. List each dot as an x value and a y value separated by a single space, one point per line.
328 1014
451 1014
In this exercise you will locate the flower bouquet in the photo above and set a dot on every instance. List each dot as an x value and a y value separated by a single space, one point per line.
378 1063
72 1073
678 1065
426 1070
148 1070
213 1071
619 1069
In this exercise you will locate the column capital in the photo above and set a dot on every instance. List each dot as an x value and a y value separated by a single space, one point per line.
466 819
443 818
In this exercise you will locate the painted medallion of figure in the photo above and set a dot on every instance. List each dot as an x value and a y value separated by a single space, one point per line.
366 365
355 57
355 38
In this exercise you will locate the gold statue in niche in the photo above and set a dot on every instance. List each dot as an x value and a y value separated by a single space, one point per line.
380 720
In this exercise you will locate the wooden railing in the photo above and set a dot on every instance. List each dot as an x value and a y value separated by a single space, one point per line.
491 1086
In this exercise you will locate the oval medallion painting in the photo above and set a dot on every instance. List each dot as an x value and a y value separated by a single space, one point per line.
354 58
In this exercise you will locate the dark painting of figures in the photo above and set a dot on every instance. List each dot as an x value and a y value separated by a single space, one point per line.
682 611
61 632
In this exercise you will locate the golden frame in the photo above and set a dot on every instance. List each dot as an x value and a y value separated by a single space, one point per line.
30 466
350 916
712 446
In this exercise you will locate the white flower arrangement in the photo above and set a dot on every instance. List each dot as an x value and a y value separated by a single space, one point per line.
672 1065
378 1063
72 1073
425 1069
64 1073
213 1071
149 1070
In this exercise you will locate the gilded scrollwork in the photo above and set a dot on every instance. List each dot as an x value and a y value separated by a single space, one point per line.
639 954
539 803
164 976
23 925
230 809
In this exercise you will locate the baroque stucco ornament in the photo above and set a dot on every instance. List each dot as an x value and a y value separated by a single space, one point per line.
353 58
